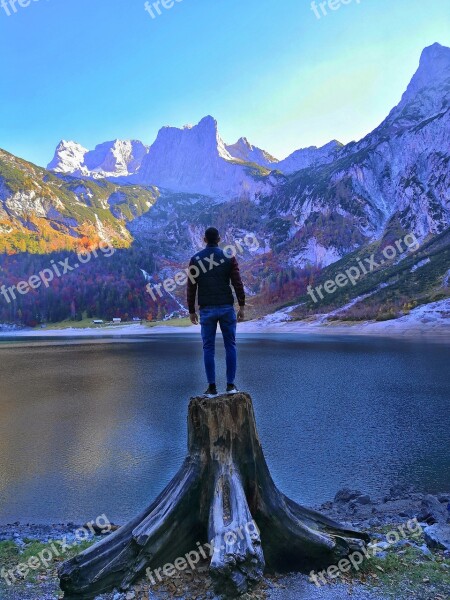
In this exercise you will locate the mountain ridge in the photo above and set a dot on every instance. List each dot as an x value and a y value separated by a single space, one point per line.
394 181
158 166
116 158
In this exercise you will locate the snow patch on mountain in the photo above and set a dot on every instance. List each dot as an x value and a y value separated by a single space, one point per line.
446 280
420 264
433 316
102 233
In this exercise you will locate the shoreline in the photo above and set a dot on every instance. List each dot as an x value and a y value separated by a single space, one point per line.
348 506
430 322
439 333
426 548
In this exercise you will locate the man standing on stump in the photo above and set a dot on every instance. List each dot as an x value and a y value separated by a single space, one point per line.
211 273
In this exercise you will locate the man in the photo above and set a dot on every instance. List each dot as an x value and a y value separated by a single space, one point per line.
211 272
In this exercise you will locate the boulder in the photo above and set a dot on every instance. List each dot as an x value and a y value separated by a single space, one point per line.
364 499
425 550
437 536
399 491
432 511
346 495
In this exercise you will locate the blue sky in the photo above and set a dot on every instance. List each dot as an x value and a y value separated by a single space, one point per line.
95 70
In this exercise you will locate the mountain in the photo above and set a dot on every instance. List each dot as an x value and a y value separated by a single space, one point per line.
244 151
414 278
427 94
395 179
392 183
42 212
316 209
68 158
388 163
110 159
309 157
195 159
339 198
117 158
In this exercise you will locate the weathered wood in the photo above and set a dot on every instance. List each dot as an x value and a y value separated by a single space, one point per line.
238 560
155 537
224 490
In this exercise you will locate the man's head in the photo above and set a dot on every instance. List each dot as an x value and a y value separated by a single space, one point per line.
212 236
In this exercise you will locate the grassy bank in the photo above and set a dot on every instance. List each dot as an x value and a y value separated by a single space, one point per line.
404 570
86 323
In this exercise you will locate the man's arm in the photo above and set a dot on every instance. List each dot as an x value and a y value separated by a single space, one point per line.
191 296
236 282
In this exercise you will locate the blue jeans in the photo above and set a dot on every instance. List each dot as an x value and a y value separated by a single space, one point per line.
225 315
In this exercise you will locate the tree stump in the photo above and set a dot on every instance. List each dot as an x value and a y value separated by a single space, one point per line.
222 489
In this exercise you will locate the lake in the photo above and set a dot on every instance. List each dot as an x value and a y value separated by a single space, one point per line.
99 426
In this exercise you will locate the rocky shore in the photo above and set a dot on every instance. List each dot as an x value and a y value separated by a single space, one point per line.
398 506
415 566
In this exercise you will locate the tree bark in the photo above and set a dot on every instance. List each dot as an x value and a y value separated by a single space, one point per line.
223 493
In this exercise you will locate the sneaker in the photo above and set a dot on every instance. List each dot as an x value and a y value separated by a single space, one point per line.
232 389
211 392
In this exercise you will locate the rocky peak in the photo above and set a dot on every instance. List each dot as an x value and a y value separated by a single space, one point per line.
309 157
68 157
245 151
428 92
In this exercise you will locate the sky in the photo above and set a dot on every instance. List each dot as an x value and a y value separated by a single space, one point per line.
96 70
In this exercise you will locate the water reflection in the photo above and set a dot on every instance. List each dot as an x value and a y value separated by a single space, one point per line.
93 427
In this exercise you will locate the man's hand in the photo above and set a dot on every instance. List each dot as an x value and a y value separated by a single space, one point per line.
194 318
241 314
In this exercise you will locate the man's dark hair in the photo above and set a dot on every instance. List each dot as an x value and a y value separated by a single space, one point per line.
212 235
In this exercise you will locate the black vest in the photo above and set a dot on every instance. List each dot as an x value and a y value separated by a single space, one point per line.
214 278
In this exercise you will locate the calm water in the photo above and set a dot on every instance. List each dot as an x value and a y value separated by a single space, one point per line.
100 427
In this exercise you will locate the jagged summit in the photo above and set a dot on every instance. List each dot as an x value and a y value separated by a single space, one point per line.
428 92
434 63
205 135
118 158
208 121
68 157
196 160
110 159
433 71
245 151
184 160
308 157
337 200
